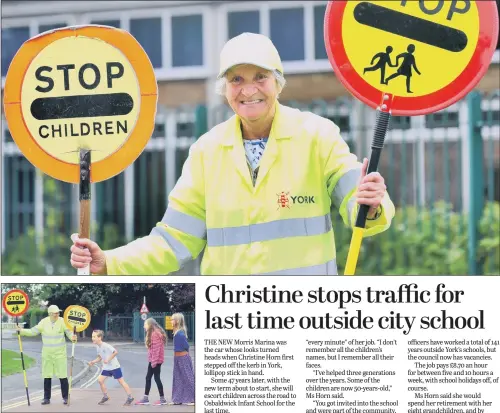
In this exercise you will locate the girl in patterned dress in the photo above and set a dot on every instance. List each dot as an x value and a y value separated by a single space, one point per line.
183 376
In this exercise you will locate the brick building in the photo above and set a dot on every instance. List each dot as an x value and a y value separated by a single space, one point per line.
183 40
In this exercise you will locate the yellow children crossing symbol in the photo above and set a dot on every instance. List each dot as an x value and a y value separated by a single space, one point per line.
411 32
407 58
425 54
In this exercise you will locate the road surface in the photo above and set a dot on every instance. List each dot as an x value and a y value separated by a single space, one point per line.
85 391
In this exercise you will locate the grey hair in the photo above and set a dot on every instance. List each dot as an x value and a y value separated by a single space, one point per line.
220 84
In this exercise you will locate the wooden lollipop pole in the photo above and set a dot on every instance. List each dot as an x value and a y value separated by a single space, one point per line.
85 162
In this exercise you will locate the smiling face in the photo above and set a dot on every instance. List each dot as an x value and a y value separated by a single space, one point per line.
53 316
251 92
96 338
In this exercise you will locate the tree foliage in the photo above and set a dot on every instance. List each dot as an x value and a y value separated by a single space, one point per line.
32 290
421 241
49 252
121 298
426 241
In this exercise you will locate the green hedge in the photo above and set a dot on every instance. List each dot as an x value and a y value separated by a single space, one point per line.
23 257
426 242
419 242
33 316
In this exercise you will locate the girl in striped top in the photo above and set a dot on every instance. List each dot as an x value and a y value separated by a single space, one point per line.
155 340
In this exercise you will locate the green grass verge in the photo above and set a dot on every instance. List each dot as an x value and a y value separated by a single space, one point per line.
11 362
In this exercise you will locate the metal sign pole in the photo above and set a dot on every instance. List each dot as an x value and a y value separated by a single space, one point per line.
71 367
22 362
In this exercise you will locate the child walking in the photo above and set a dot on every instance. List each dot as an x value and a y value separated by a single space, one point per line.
155 340
183 376
111 367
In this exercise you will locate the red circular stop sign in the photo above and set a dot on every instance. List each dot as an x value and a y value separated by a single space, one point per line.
427 55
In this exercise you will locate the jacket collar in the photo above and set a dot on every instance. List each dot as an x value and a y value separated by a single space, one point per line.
282 127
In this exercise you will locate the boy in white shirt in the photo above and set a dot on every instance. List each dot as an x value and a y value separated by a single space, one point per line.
111 367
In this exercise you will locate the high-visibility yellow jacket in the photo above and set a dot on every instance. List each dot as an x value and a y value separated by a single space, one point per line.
54 358
280 225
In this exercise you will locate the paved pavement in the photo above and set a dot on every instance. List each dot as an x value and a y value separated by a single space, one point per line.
85 400
85 388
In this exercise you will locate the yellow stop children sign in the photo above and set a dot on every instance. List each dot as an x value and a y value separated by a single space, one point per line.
83 87
426 54
77 317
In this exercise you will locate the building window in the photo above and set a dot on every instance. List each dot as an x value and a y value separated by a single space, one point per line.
400 123
443 119
173 38
7 135
110 208
19 196
296 30
242 22
159 131
342 121
148 34
491 117
287 33
112 23
149 193
319 38
187 40
46 27
185 129
12 39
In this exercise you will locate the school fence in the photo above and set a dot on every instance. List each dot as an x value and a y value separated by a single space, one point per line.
130 326
160 317
442 172
118 326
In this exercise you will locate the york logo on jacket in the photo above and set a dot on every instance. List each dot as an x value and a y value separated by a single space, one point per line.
285 199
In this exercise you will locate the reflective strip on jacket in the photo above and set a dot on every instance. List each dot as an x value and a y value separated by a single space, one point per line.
281 225
54 356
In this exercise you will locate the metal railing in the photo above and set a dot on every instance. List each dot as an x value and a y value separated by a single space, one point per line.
427 161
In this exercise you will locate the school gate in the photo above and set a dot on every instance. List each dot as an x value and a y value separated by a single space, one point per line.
118 326
130 326
138 325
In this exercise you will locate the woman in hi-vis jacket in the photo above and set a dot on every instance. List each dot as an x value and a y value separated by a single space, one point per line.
257 190
54 357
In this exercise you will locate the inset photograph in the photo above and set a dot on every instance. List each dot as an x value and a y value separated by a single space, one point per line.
98 347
